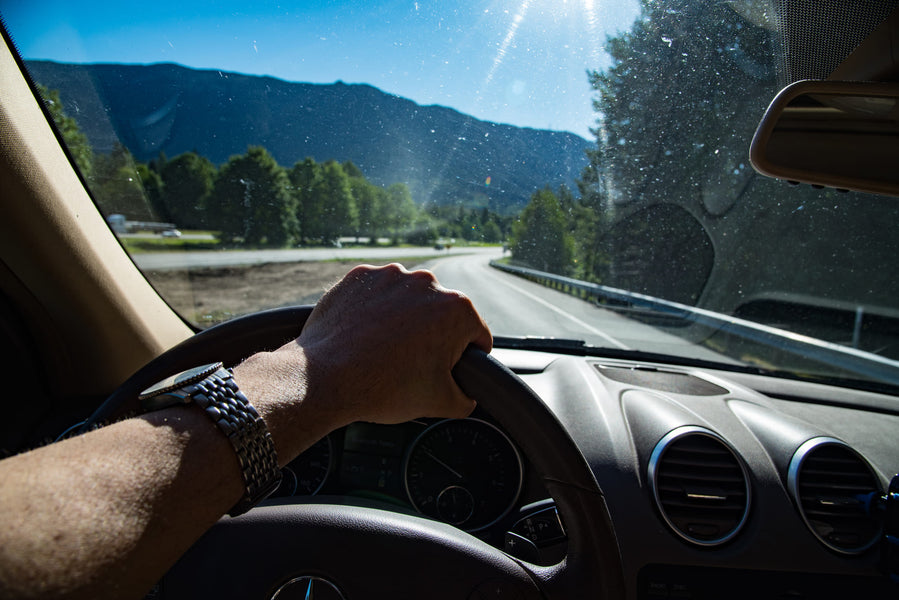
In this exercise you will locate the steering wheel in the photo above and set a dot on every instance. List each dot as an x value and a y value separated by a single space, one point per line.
370 553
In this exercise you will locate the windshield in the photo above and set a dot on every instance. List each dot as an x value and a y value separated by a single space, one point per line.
579 169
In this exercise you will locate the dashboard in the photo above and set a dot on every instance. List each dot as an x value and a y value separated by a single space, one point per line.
464 472
717 482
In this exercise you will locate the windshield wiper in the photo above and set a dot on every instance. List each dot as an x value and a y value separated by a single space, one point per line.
547 344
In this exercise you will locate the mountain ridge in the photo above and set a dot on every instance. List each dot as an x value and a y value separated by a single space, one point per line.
443 155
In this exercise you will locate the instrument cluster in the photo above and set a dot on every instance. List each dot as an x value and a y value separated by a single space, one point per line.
465 472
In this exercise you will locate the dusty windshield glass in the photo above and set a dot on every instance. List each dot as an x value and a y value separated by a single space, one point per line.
579 168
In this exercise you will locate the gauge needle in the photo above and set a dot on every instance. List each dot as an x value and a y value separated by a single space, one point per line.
443 464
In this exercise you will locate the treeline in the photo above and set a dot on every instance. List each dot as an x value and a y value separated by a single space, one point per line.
252 200
561 233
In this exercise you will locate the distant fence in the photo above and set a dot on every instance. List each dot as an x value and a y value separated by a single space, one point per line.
696 324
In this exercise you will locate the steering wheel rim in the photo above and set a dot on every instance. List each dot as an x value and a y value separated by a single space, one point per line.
592 563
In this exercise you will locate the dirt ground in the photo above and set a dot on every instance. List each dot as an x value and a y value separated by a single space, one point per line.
208 296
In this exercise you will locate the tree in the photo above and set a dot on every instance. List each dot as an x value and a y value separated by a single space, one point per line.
368 199
117 186
491 233
152 184
540 237
77 143
423 232
398 209
115 180
332 211
351 170
303 176
682 143
250 201
663 141
187 180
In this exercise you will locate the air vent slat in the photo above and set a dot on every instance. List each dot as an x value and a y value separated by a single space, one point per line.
684 474
700 485
823 474
829 481
850 516
720 462
842 490
698 450
690 506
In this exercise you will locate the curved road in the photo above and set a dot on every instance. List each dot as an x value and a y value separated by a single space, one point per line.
516 307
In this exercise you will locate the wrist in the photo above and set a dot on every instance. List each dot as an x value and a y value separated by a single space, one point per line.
214 389
276 383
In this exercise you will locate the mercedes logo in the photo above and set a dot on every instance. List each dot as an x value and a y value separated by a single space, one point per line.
308 587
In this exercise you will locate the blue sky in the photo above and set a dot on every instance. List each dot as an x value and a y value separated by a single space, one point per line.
522 62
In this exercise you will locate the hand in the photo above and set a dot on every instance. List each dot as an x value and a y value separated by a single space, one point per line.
383 341
379 347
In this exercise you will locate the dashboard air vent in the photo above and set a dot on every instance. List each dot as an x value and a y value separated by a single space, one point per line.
829 482
700 485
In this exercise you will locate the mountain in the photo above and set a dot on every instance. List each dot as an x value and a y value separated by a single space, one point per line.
444 156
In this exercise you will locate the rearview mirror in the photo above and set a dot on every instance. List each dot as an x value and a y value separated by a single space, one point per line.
832 133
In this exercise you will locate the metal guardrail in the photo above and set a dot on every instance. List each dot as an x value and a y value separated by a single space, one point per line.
616 299
690 319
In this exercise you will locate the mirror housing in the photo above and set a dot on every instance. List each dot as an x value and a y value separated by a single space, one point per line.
837 134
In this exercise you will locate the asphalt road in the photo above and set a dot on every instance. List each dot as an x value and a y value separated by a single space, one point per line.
513 306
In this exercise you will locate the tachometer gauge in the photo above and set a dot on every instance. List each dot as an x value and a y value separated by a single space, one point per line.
305 475
465 472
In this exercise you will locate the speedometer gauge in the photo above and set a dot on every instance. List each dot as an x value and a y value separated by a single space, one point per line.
465 472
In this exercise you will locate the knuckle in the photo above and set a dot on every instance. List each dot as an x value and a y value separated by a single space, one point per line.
424 275
360 271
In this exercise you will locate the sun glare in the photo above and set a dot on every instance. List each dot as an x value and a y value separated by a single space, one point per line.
565 20
507 41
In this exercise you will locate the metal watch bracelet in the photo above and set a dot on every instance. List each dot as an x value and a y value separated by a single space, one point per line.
232 412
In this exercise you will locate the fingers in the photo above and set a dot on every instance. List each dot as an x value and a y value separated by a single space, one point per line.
384 340
364 283
480 335
461 405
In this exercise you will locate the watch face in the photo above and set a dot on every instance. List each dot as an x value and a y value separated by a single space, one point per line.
180 380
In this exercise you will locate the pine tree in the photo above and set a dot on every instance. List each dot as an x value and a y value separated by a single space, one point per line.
540 237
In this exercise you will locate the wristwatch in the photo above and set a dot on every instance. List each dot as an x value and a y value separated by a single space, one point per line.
212 388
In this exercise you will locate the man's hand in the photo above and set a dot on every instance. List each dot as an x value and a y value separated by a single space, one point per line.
379 346
382 343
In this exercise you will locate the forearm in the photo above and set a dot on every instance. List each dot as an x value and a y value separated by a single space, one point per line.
107 513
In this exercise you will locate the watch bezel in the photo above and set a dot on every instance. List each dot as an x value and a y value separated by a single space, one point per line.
179 380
